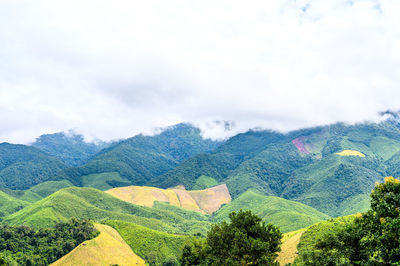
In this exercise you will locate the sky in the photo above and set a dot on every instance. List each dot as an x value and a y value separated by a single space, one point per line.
113 69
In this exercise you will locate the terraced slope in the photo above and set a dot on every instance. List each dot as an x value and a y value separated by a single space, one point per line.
205 201
89 203
106 249
288 215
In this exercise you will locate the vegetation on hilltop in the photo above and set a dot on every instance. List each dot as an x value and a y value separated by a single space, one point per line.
287 215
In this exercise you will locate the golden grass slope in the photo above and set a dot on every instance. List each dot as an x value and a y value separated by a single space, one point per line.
289 247
350 153
106 249
205 201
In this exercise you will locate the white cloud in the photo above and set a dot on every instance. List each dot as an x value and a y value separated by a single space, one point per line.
111 69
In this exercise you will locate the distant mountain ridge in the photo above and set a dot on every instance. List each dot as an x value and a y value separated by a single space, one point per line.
138 159
70 148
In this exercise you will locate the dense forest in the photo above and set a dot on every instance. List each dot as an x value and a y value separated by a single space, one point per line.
21 245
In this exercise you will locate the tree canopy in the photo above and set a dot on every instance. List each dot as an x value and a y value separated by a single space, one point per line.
371 238
246 240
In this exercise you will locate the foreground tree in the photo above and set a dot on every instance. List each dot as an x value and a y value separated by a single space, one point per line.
246 240
372 238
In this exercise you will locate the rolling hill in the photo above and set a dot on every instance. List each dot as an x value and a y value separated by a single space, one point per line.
9 205
288 215
89 203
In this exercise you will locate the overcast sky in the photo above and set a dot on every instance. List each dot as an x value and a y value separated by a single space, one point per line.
112 69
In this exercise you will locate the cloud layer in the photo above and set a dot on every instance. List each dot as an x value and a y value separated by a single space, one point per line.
112 69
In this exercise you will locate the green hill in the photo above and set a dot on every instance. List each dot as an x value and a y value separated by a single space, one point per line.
9 205
22 167
89 203
157 248
288 215
312 235
138 159
70 148
38 191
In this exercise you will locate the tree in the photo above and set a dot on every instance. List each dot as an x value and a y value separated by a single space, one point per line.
246 240
371 238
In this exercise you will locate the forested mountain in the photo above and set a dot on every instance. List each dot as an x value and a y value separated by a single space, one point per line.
219 163
23 166
331 168
70 148
138 159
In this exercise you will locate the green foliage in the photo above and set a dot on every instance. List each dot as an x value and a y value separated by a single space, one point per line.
9 205
204 182
104 181
89 203
246 240
220 163
69 148
24 246
319 243
157 248
22 167
287 215
371 238
319 177
140 158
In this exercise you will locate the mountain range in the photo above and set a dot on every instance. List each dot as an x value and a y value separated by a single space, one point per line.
165 183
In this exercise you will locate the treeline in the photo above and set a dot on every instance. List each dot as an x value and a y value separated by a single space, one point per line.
21 245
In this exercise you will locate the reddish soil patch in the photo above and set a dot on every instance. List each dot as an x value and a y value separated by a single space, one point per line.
298 142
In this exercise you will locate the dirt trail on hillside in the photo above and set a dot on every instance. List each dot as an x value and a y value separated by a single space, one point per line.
289 249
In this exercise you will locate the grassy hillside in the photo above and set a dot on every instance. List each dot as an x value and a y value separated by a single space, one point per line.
22 167
154 246
314 233
140 158
289 251
288 215
38 191
106 249
9 205
204 201
94 204
69 148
